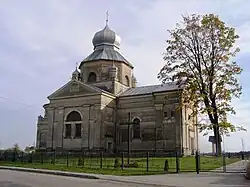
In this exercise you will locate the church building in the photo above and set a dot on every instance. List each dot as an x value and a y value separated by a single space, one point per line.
101 108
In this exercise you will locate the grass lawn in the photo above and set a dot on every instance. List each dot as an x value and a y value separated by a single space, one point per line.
155 165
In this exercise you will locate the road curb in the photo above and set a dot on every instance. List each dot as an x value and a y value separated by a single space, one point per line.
51 172
77 175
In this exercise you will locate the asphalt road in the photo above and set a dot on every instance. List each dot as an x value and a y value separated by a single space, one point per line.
25 179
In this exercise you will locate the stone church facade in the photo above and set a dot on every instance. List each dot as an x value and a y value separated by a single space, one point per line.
101 108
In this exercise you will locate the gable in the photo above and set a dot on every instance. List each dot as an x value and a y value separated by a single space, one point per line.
74 88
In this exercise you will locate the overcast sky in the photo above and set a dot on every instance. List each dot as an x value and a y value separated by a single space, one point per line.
41 41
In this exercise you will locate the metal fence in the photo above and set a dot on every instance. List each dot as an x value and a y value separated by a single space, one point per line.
138 162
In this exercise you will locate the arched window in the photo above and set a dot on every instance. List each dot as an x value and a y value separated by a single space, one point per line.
126 80
92 77
73 116
70 121
136 128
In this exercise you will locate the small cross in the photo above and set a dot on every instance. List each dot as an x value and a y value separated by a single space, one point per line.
76 65
107 17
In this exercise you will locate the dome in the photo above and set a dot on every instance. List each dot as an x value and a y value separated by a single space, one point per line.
106 37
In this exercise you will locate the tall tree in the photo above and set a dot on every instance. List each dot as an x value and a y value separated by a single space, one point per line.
16 148
199 57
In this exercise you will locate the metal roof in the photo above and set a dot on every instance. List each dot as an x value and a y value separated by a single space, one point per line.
106 53
150 89
106 37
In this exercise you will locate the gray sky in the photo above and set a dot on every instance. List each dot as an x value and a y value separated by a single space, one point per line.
41 41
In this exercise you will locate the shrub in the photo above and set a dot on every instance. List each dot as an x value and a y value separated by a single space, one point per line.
166 166
80 161
116 164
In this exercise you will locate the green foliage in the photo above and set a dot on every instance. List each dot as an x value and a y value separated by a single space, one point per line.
80 161
166 166
117 163
16 148
199 58
29 149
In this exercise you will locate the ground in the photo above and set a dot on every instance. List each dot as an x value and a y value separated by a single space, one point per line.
155 165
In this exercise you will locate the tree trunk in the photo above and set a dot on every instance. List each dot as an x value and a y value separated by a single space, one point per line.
218 140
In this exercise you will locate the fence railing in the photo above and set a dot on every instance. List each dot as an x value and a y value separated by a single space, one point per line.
134 162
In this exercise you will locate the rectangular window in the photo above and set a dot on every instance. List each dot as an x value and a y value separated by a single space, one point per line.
124 135
172 113
78 130
109 145
137 131
68 131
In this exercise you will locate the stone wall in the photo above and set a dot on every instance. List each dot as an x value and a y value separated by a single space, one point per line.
57 113
163 125
101 68
154 133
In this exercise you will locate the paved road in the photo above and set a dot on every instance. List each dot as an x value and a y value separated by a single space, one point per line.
25 179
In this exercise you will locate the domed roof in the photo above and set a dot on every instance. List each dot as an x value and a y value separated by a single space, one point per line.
106 37
106 47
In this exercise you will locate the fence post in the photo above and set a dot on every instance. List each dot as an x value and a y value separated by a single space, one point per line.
14 156
51 158
90 156
242 156
197 162
177 162
224 162
83 158
41 157
5 156
54 158
31 157
101 160
147 161
22 157
67 158
122 160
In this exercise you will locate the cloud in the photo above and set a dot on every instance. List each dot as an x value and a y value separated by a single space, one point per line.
40 43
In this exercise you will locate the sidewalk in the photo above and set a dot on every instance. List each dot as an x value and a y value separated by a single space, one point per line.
237 167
